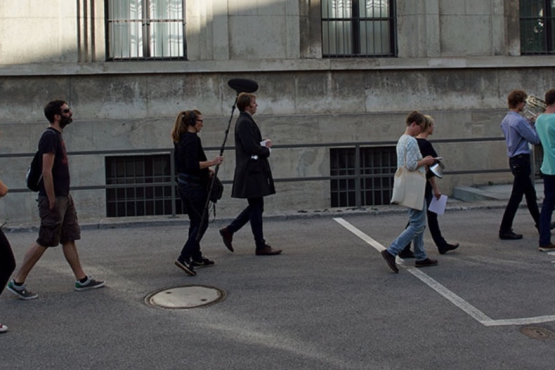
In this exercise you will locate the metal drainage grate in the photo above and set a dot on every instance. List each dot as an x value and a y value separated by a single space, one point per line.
187 296
537 332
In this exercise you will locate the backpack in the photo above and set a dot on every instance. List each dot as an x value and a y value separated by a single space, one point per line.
33 177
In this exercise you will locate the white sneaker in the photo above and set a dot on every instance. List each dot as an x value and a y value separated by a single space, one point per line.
3 328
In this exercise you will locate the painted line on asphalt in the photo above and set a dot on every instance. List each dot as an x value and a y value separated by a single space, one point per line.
460 303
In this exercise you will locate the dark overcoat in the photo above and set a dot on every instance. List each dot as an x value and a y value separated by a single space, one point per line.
253 176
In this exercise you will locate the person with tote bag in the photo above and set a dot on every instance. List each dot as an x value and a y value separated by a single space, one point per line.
408 186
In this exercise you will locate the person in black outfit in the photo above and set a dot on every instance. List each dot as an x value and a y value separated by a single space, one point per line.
253 177
194 174
426 149
7 260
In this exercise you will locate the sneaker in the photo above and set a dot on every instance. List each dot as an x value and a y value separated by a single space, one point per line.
21 291
425 263
3 328
390 259
202 262
547 248
186 266
89 284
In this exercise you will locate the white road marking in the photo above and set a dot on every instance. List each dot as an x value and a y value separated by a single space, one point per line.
463 305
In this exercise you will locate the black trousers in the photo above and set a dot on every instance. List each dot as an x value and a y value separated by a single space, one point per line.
7 261
522 186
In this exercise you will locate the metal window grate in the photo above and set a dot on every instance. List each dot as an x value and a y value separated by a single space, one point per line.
537 19
358 28
144 193
145 30
376 167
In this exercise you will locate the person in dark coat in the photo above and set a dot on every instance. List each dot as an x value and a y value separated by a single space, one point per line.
253 176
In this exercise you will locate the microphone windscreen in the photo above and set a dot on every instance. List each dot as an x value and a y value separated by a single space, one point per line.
242 85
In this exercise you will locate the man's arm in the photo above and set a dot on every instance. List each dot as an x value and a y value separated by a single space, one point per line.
48 181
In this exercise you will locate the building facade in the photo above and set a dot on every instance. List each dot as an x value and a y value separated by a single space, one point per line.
336 80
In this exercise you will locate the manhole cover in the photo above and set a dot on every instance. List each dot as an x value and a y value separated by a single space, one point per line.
537 332
188 296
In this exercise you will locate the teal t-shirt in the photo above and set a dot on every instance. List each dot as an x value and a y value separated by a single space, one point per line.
545 127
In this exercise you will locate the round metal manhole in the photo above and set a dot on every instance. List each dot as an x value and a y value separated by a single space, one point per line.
187 296
537 332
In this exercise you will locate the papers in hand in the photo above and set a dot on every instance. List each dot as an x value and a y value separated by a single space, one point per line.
438 205
262 143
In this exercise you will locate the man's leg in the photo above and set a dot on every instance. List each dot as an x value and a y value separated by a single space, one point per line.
72 257
30 259
547 210
257 209
519 183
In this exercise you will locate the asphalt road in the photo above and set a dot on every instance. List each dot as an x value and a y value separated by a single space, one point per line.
328 302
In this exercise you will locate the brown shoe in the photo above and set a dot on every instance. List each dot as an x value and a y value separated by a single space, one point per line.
267 251
547 248
227 237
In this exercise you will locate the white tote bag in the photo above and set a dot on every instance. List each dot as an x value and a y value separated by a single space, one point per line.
408 188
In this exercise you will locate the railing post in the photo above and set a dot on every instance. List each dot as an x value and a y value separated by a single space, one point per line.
358 187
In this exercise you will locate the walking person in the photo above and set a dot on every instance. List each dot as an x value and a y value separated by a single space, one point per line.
432 190
7 260
253 177
59 222
409 156
194 175
519 132
545 126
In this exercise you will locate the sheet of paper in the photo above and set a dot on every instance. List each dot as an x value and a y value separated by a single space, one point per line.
438 205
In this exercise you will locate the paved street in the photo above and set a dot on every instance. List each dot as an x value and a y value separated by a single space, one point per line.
328 302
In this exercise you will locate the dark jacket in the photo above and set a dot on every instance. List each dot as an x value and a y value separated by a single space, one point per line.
253 177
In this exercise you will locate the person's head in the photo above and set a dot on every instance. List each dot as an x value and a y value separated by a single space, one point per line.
188 120
550 97
428 125
246 102
517 99
58 111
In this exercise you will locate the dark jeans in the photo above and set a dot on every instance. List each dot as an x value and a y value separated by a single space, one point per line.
194 200
7 261
522 185
547 209
252 214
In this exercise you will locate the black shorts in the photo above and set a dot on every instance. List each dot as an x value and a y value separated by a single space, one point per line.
58 225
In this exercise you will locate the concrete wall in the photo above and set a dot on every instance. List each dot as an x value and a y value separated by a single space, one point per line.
456 61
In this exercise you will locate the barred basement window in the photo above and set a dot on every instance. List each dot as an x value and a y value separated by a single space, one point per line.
145 29
537 29
357 28
152 198
372 170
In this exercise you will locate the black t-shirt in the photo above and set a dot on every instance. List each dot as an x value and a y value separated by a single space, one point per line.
51 142
188 153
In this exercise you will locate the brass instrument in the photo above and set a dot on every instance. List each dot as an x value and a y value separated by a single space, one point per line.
534 107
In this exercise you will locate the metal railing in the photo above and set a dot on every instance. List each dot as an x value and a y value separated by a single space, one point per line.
358 176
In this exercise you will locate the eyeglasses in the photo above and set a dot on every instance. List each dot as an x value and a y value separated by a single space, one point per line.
66 110
200 120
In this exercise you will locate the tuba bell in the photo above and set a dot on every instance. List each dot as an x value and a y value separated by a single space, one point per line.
534 107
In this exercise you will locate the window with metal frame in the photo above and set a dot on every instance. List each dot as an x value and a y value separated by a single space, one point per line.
145 29
370 171
537 27
146 191
358 28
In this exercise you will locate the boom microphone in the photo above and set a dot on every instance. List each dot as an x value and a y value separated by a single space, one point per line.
242 85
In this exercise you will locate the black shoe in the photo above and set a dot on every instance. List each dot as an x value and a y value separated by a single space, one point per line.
267 251
552 226
447 247
425 263
186 265
202 262
390 259
509 235
227 237
406 254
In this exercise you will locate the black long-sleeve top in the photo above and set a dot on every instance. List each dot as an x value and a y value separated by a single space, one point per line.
188 153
